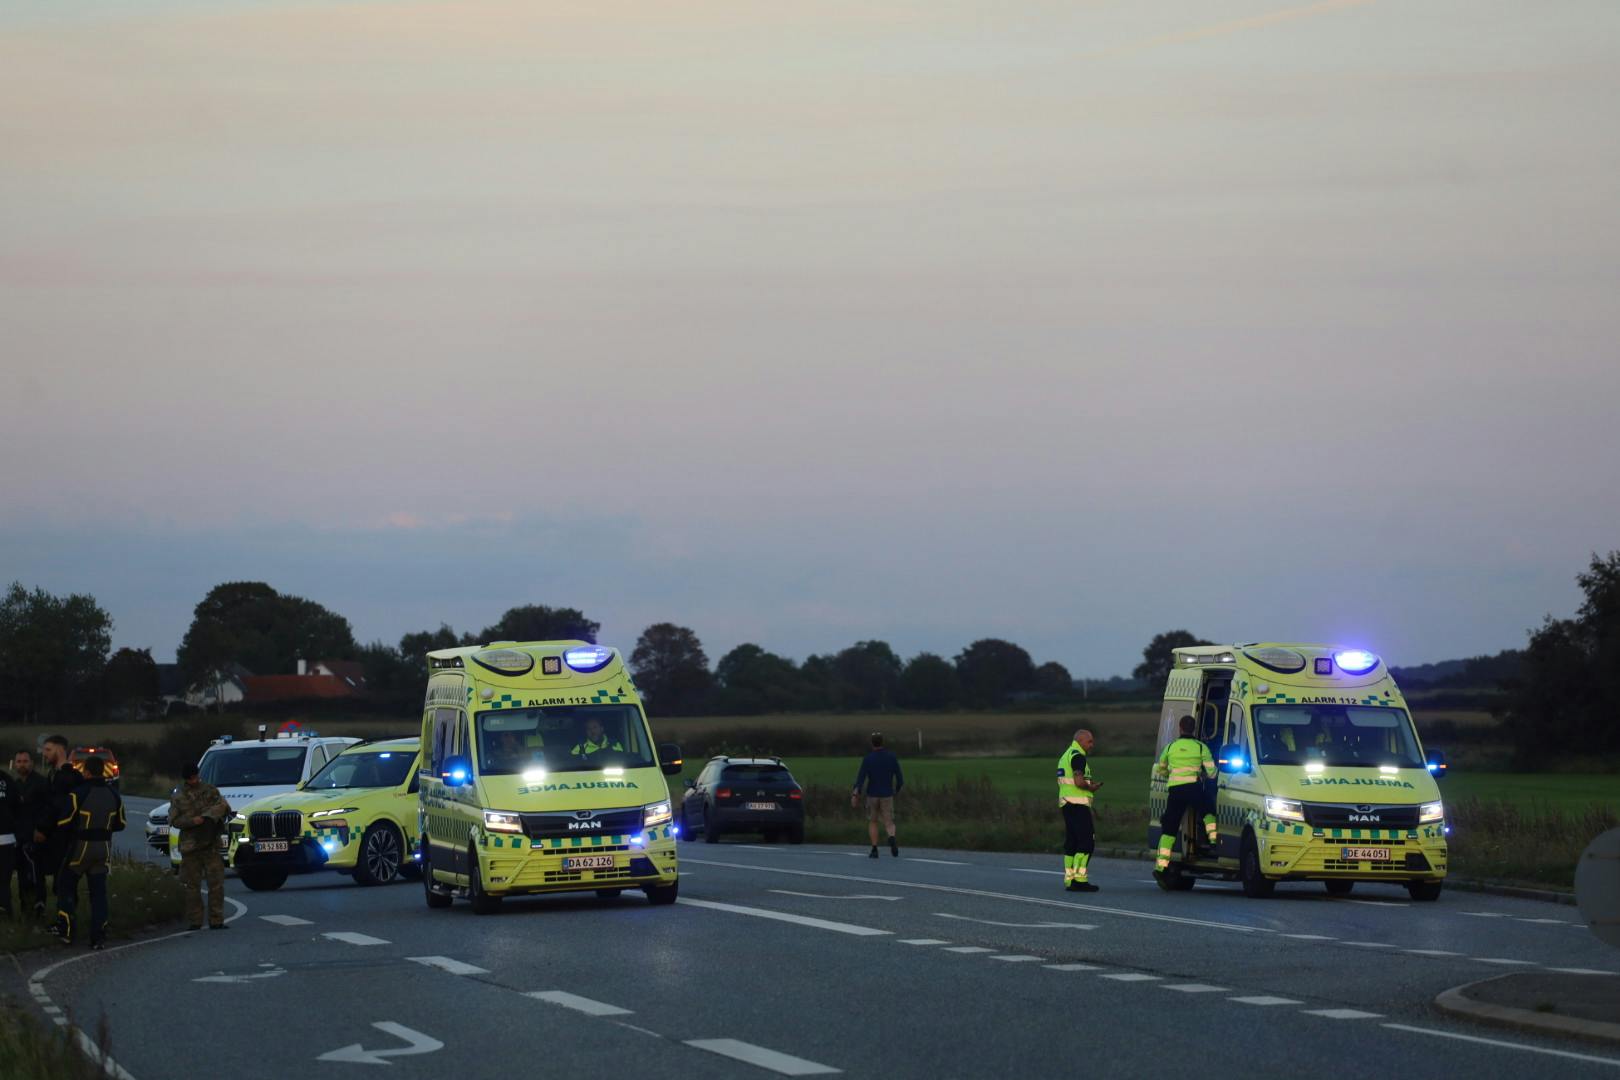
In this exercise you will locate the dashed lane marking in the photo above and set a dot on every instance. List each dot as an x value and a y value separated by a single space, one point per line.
1310 937
286 920
937 862
1343 1014
923 941
832 896
1014 959
1484 914
1073 967
1265 999
1024 870
1016 925
1370 944
969 949
1612 1062
445 963
1194 988
1501 960
579 1004
349 937
783 916
1433 952
1131 976
774 1060
1580 971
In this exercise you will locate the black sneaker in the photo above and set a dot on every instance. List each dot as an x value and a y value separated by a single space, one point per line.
873 853
97 946
1085 886
894 847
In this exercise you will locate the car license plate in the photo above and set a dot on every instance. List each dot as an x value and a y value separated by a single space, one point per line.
761 806
588 862
160 830
1364 854
262 847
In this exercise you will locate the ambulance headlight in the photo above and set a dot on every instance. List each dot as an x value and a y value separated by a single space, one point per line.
496 821
656 814
1432 811
588 658
1355 661
1286 809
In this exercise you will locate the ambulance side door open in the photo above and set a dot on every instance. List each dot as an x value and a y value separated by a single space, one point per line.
1238 791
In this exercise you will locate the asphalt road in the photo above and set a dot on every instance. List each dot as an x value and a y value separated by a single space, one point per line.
785 960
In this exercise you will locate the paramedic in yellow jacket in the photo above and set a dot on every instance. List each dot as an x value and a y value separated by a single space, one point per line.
1183 766
1075 789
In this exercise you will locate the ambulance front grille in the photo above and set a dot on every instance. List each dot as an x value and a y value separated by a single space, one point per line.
562 877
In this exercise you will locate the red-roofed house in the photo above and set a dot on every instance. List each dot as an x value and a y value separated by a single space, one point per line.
323 679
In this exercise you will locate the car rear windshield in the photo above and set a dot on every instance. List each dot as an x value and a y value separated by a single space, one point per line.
252 766
364 769
562 738
756 774
1343 736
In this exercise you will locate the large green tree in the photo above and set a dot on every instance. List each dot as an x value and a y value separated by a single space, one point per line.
131 681
537 622
753 681
671 669
1158 657
249 623
52 650
993 670
866 676
1567 695
929 682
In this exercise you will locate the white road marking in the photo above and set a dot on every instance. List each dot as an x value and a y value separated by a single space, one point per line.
1615 1062
1194 988
1581 971
1017 925
418 1043
783 916
775 1061
444 963
1310 937
936 862
577 1003
1022 870
1484 914
1547 922
968 949
1264 999
1500 960
1014 959
286 920
1343 1014
1370 944
1433 952
832 896
923 941
349 937
221 977
1376 903
633 1027
1016 897
1074 967
1131 976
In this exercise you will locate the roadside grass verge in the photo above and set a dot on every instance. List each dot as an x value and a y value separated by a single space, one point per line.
139 896
33 1050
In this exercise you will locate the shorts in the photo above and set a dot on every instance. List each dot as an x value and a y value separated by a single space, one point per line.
880 808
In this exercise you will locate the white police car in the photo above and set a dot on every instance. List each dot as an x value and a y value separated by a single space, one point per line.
249 769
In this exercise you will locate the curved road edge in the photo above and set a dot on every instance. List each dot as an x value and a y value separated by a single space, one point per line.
1457 1002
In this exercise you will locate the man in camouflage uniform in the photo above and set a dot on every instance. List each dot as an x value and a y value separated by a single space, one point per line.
94 813
199 811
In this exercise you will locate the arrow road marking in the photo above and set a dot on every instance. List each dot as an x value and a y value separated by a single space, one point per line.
832 896
356 1054
1019 925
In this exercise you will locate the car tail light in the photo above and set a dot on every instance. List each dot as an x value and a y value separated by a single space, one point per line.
723 793
795 794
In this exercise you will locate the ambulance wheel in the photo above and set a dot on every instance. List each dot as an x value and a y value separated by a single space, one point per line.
662 894
608 894
262 880
1255 885
482 902
1171 879
1339 888
1425 891
435 896
382 854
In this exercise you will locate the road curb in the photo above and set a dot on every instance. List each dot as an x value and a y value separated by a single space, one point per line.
1461 884
1455 1002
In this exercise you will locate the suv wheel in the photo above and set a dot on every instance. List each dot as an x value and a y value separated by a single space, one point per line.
382 854
262 879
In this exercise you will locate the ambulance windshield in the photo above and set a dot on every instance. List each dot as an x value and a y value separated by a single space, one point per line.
1343 736
562 738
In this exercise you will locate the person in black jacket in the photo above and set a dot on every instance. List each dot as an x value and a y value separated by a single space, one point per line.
50 838
94 813
10 816
35 792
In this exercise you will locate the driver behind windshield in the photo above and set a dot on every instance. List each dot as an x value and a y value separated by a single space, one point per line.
511 752
596 742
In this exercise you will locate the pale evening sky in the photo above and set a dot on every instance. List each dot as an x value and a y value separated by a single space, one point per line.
802 324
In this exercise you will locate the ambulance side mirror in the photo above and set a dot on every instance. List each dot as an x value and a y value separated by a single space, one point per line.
670 761
1437 763
1231 759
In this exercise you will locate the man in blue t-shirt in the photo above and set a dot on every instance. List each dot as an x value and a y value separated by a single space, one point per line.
880 772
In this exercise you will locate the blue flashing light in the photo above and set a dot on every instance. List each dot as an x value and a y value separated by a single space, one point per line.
1236 763
674 830
329 846
385 756
638 840
1433 768
588 658
1355 661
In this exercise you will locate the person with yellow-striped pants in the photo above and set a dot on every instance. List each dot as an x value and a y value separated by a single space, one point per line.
1075 789
1183 766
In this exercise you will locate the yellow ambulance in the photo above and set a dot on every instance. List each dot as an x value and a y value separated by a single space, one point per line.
539 774
1321 776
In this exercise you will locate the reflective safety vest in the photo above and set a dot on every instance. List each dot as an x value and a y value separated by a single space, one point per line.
1073 764
587 748
1183 760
